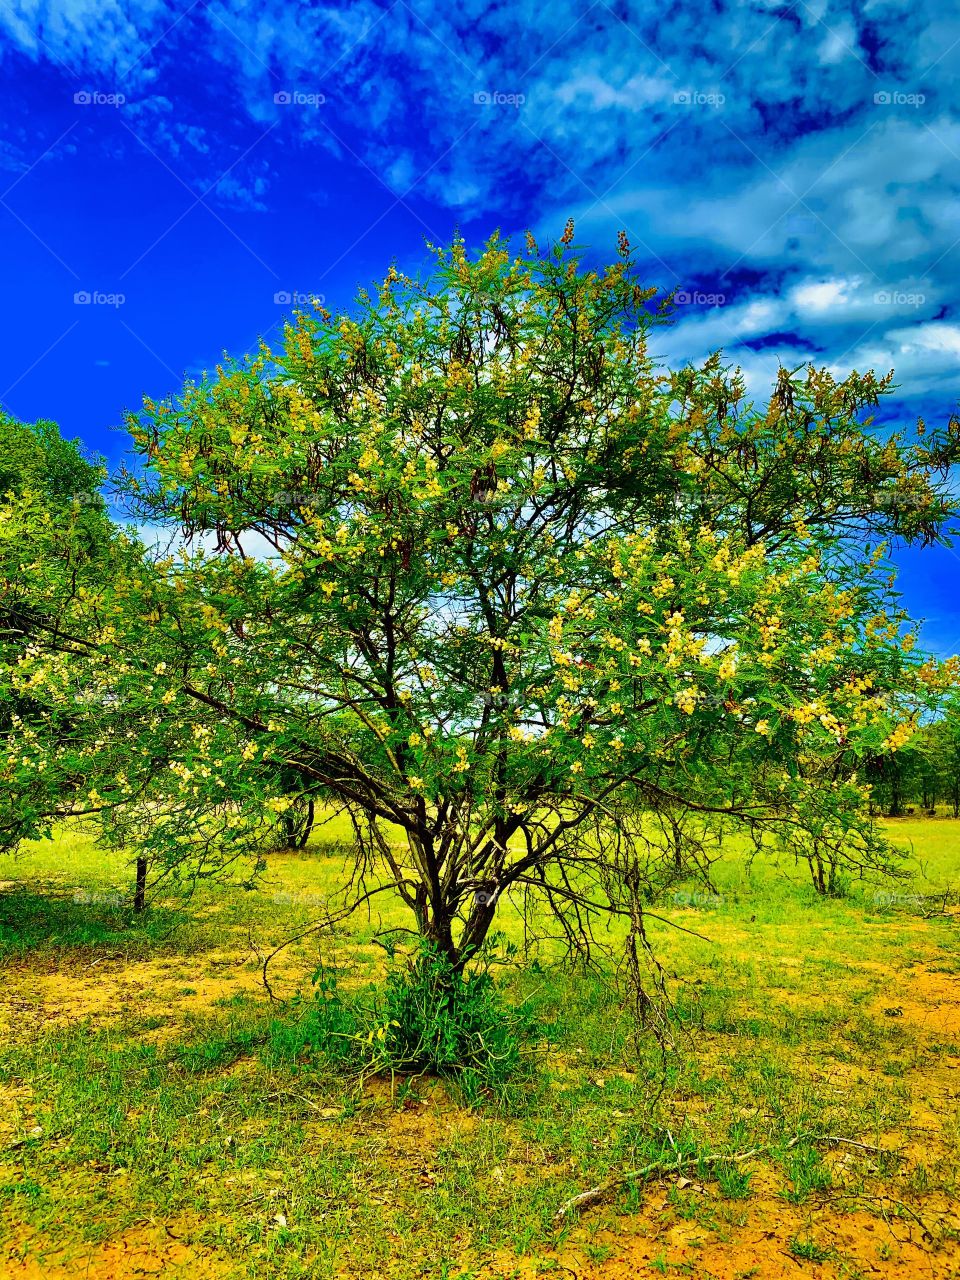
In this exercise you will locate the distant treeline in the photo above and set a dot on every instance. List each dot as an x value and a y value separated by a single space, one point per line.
924 773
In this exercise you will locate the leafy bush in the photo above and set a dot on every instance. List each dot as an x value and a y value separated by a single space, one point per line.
428 1017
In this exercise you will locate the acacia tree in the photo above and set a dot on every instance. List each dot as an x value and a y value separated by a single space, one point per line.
941 745
515 588
51 512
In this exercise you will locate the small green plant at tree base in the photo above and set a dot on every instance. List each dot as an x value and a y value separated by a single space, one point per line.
429 1016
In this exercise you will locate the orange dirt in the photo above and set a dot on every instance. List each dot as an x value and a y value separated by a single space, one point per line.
102 992
144 1251
750 1238
758 1245
925 998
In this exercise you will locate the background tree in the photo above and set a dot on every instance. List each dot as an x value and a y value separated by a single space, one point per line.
942 747
52 514
524 588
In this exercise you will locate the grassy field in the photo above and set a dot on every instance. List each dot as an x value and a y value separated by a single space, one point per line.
158 1115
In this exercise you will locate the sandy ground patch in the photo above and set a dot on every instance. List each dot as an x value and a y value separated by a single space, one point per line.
146 1251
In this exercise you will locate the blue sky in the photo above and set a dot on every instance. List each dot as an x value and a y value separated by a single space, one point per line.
798 161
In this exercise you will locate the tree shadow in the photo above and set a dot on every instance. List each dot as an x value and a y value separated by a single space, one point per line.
39 917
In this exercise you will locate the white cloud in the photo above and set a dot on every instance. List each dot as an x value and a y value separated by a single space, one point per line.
821 296
835 201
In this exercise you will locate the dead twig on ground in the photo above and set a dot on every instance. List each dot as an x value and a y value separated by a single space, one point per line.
679 1161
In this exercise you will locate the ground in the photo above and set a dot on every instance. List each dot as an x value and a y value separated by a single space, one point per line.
159 1115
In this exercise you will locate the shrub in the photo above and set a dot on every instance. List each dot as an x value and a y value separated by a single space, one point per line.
428 1017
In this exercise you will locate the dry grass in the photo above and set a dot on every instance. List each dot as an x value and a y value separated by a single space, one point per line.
157 1120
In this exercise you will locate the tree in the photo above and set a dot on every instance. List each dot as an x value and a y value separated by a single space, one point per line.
942 749
523 588
52 513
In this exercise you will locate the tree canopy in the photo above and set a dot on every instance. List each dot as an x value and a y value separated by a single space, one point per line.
469 563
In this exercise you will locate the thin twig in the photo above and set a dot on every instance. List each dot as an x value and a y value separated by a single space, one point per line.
681 1161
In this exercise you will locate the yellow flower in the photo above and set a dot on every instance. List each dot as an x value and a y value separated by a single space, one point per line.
901 734
576 767
686 699
416 783
728 666
763 727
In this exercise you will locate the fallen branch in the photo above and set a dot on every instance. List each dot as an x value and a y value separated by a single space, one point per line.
680 1161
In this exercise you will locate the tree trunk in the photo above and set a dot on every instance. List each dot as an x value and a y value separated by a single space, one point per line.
289 831
306 826
832 879
439 933
896 798
477 928
816 867
140 893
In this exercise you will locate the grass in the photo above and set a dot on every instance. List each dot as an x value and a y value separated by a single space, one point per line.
159 1112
